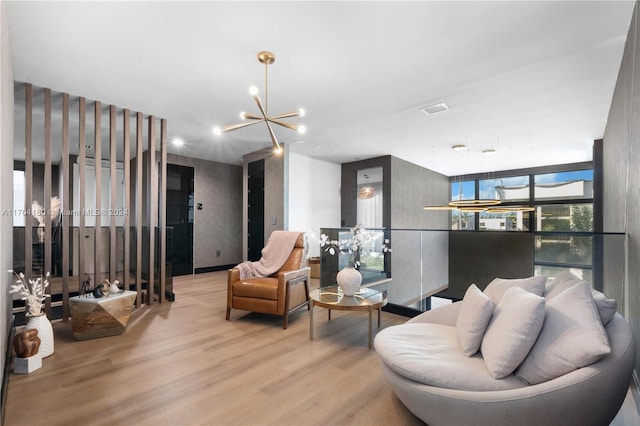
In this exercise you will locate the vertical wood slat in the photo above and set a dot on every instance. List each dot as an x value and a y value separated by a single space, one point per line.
152 206
97 143
65 197
163 207
127 198
28 175
82 189
112 191
139 207
46 202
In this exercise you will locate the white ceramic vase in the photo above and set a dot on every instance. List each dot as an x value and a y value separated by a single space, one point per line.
45 333
349 280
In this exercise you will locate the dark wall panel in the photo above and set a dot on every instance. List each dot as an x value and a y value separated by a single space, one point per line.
479 257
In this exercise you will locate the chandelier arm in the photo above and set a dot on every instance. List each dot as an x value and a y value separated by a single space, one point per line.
276 145
283 124
285 115
241 125
252 117
260 107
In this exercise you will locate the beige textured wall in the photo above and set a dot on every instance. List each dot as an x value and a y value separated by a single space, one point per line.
218 226
6 175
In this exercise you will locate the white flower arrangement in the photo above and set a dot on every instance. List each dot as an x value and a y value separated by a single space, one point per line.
32 292
38 212
359 238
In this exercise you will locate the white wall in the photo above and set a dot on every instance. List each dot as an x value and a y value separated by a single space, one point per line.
313 195
6 176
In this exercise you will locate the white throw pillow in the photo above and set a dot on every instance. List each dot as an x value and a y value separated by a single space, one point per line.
572 337
606 307
513 330
496 288
560 283
474 316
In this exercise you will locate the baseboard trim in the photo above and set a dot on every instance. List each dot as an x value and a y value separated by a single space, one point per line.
7 369
213 268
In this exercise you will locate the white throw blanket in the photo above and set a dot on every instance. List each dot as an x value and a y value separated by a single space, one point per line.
274 255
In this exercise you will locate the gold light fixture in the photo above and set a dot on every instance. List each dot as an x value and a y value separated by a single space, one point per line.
366 191
479 205
266 58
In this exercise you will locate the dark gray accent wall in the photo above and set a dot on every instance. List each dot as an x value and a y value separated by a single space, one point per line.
218 226
274 192
621 175
479 257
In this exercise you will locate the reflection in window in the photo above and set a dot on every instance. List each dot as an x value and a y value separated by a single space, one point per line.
514 188
565 217
551 271
461 220
369 208
463 190
564 185
18 197
575 250
511 221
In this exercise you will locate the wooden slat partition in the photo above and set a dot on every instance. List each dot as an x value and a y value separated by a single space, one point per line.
46 202
139 207
113 192
28 176
82 113
97 239
144 193
152 205
65 197
163 208
127 196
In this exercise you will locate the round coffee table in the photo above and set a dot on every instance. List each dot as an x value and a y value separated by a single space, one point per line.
331 297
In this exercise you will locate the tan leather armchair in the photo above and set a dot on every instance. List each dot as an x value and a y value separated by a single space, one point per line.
279 294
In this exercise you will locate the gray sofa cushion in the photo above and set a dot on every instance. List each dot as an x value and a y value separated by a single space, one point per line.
431 354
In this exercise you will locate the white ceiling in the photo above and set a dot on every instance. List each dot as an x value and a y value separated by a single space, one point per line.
533 80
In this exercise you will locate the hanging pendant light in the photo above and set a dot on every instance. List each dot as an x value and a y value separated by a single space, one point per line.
366 191
266 58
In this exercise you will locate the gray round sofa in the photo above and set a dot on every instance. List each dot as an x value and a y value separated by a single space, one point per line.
591 395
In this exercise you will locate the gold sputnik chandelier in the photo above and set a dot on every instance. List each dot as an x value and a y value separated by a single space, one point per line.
266 58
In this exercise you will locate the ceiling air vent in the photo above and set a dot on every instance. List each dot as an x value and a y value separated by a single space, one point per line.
435 108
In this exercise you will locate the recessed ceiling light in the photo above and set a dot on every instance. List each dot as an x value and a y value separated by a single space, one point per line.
178 142
459 147
432 109
85 147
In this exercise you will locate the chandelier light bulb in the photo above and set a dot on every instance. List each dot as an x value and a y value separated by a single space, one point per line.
243 115
253 90
277 150
217 131
301 112
178 142
302 129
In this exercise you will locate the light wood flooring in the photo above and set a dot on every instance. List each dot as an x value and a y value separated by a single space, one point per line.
181 363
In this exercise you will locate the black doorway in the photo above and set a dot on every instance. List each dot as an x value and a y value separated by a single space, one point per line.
180 217
255 237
